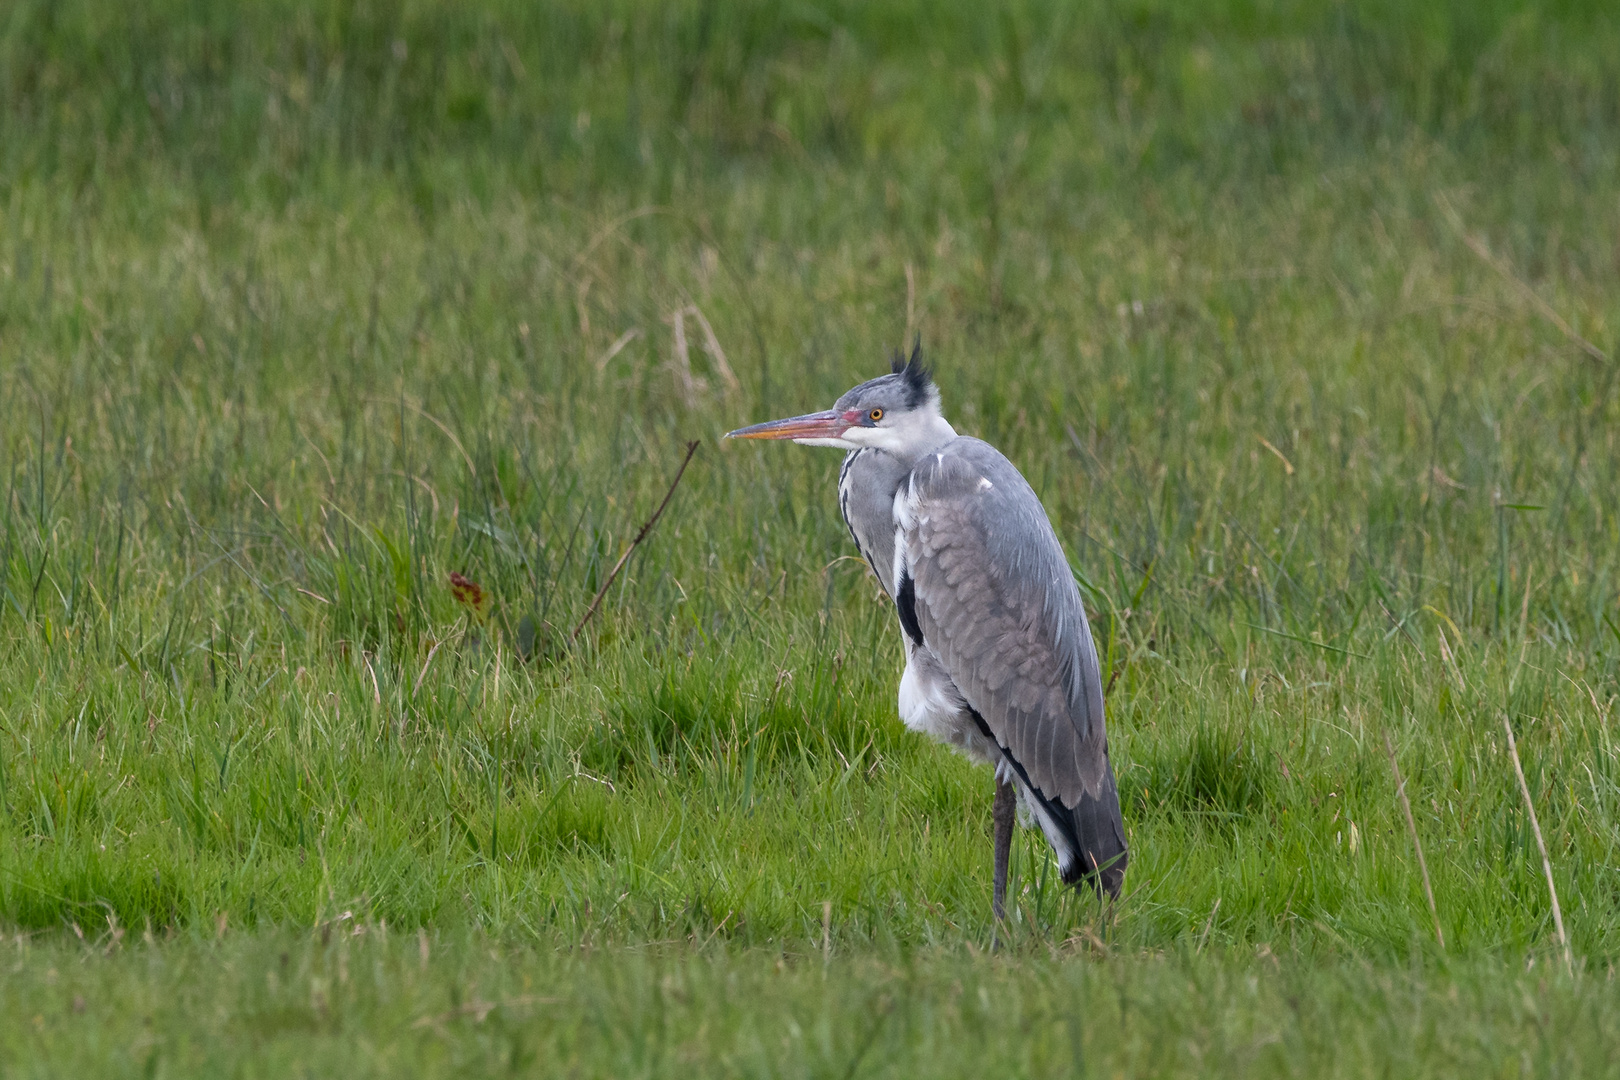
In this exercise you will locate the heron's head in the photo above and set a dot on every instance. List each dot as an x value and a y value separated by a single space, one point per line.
898 412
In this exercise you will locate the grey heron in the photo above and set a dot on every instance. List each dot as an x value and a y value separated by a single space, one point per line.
999 658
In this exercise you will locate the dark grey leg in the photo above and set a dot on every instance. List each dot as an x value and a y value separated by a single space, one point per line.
1005 810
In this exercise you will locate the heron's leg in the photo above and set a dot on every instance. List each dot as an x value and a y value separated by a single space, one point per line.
1005 810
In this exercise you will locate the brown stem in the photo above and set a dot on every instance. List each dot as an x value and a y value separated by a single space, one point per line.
691 448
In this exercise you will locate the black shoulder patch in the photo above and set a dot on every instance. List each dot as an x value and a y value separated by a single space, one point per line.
905 601
914 373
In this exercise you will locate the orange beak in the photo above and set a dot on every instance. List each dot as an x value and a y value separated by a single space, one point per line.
820 425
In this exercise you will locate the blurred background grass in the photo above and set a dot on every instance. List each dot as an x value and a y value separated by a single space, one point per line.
582 100
1300 318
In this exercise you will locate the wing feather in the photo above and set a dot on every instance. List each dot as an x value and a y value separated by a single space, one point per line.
994 598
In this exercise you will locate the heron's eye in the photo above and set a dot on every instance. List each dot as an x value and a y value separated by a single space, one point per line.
876 415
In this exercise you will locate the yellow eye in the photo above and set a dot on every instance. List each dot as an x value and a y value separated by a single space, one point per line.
876 415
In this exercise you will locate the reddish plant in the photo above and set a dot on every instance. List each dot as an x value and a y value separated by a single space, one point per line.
470 594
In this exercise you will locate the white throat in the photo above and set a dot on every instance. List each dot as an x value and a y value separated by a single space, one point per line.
911 437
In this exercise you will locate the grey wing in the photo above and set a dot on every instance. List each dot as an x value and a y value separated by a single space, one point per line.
994 598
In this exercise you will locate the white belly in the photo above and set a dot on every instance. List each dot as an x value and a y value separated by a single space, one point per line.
931 705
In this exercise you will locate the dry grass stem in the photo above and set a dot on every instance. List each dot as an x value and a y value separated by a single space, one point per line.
711 345
617 347
1546 862
1417 845
1501 266
911 303
1288 466
1209 925
681 361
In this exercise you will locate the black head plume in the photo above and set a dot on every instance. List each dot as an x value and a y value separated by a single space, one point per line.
914 373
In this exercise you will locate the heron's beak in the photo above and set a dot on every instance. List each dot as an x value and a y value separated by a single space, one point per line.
819 425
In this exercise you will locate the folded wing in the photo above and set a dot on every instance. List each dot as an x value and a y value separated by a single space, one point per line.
993 597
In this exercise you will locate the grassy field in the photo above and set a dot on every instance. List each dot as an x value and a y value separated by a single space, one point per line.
1302 320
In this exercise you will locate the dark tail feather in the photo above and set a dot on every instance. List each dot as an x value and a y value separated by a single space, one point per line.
1100 835
1094 829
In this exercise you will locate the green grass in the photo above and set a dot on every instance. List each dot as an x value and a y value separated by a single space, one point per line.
403 1004
303 308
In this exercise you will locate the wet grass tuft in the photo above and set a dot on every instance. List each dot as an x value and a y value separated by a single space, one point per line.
1219 771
